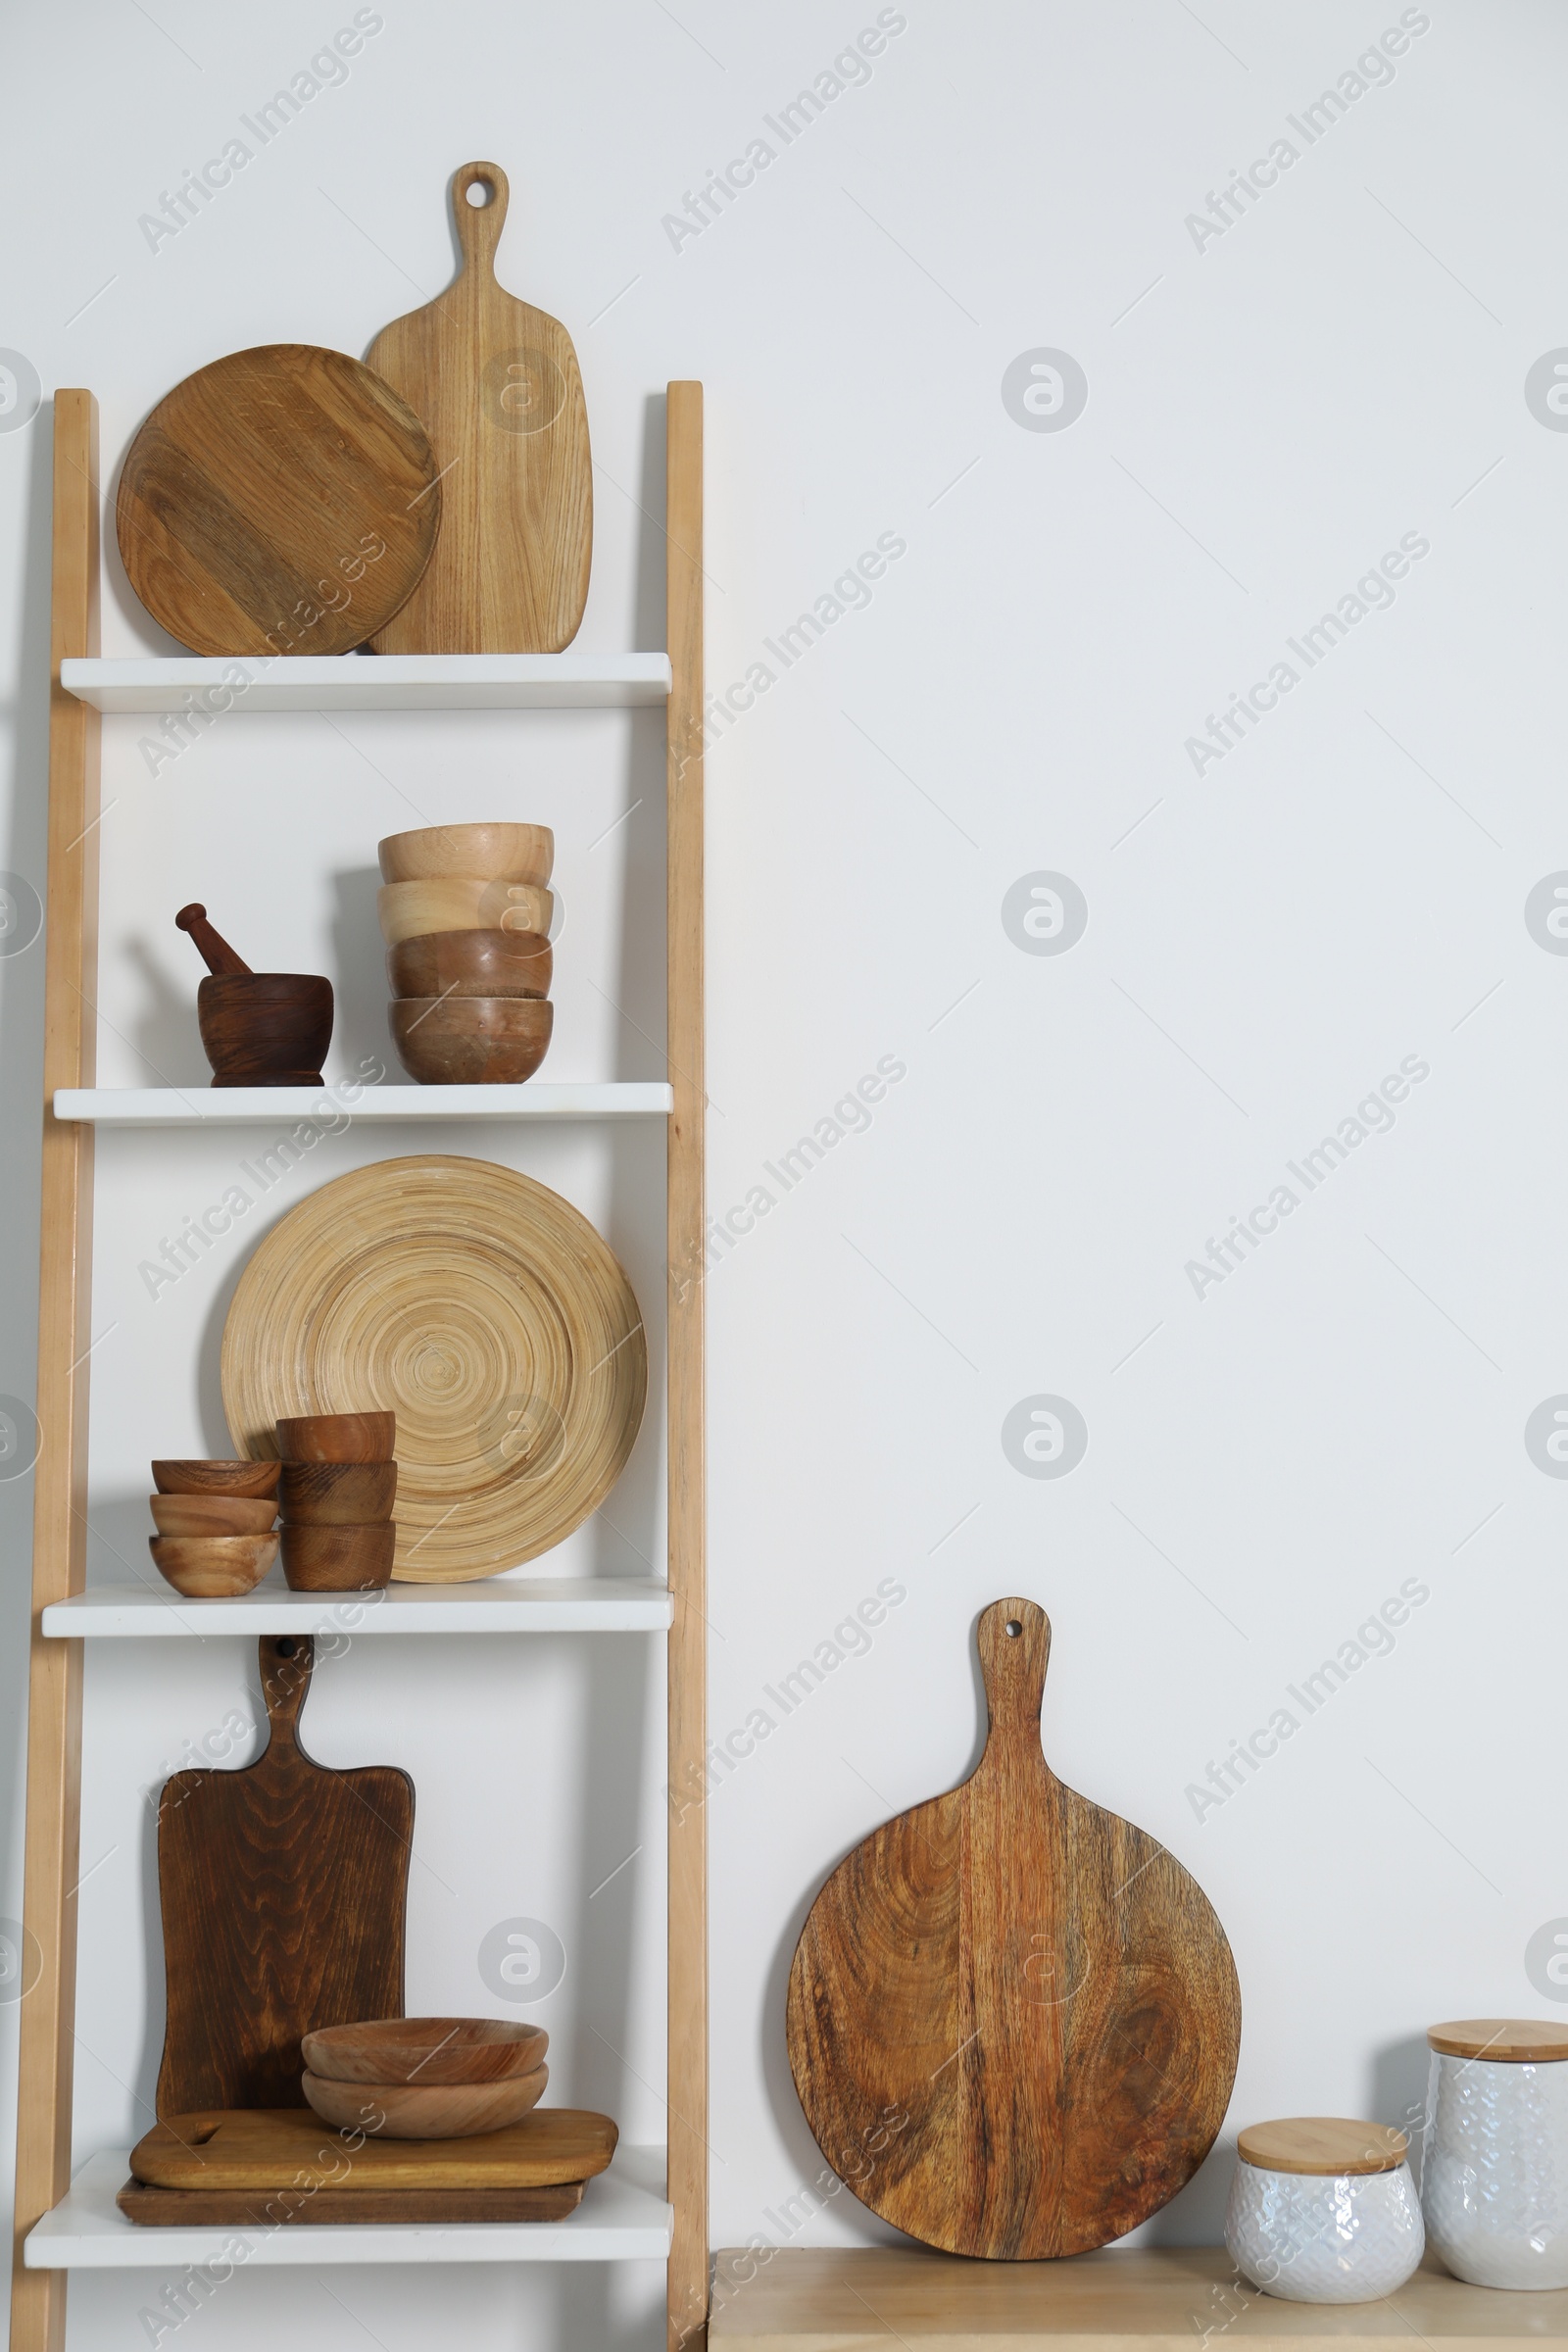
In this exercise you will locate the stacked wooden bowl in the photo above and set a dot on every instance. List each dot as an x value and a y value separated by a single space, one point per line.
465 913
215 1538
425 2077
337 1484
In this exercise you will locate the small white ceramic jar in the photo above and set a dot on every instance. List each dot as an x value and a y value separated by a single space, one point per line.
1494 2169
1323 2210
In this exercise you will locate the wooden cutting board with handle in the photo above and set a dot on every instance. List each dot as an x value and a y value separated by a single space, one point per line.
295 2148
1014 2018
498 388
284 1887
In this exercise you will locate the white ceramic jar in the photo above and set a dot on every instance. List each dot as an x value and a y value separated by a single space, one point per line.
1323 2210
1494 2170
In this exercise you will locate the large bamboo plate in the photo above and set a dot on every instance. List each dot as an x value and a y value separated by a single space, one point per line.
486 1313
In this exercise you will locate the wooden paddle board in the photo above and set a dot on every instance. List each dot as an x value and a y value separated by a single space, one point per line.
270 2209
1014 2018
280 501
497 385
284 1887
285 2147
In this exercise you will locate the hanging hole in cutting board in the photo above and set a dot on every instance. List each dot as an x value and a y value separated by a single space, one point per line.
1015 1629
479 193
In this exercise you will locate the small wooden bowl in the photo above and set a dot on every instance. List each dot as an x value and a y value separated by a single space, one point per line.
337 1493
496 853
213 1567
337 1438
339 1559
216 1478
442 2111
472 963
425 2050
264 1028
470 1041
211 1514
408 909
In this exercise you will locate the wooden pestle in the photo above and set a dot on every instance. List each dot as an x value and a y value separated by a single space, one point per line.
218 955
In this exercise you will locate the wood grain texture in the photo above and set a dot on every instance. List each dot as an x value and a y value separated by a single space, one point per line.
1127 2299
486 1312
426 2050
336 1493
497 851
1014 2018
277 2148
264 1028
686 1246
472 963
60 1481
470 1041
283 1888
282 499
338 1558
425 2110
1328 2146
259 2209
498 386
1505 2041
213 1567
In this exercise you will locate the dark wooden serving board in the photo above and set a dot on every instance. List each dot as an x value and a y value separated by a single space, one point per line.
1014 2018
284 1889
268 2209
261 2148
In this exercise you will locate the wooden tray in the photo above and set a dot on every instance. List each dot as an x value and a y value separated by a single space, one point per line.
481 1308
261 2148
270 2209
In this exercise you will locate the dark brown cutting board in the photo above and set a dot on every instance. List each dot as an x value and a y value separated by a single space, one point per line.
497 385
284 1889
280 501
1013 2018
279 2150
267 2209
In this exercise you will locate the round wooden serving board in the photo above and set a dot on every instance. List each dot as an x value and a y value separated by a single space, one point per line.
484 1311
1013 2018
282 501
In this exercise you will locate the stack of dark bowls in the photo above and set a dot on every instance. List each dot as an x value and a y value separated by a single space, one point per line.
336 1488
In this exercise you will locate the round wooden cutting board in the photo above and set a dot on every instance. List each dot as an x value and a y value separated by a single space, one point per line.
282 501
1013 2018
484 1311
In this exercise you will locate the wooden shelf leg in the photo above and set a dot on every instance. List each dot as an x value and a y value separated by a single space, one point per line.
687 1213
60 1493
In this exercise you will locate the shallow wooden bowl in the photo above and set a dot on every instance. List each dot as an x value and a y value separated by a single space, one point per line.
426 2050
216 1478
264 1028
441 2111
337 1438
496 853
211 1514
339 1559
410 910
470 1041
213 1567
337 1493
472 963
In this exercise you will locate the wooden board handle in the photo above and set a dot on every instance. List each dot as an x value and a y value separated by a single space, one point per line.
287 1661
479 225
220 956
1014 1639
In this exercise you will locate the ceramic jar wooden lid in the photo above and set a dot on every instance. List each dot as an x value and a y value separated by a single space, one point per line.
1333 2144
1509 2040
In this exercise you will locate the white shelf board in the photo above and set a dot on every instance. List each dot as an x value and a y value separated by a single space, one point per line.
282 1105
622 2218
534 1604
374 682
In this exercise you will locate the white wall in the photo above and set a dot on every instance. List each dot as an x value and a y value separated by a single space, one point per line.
1269 413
